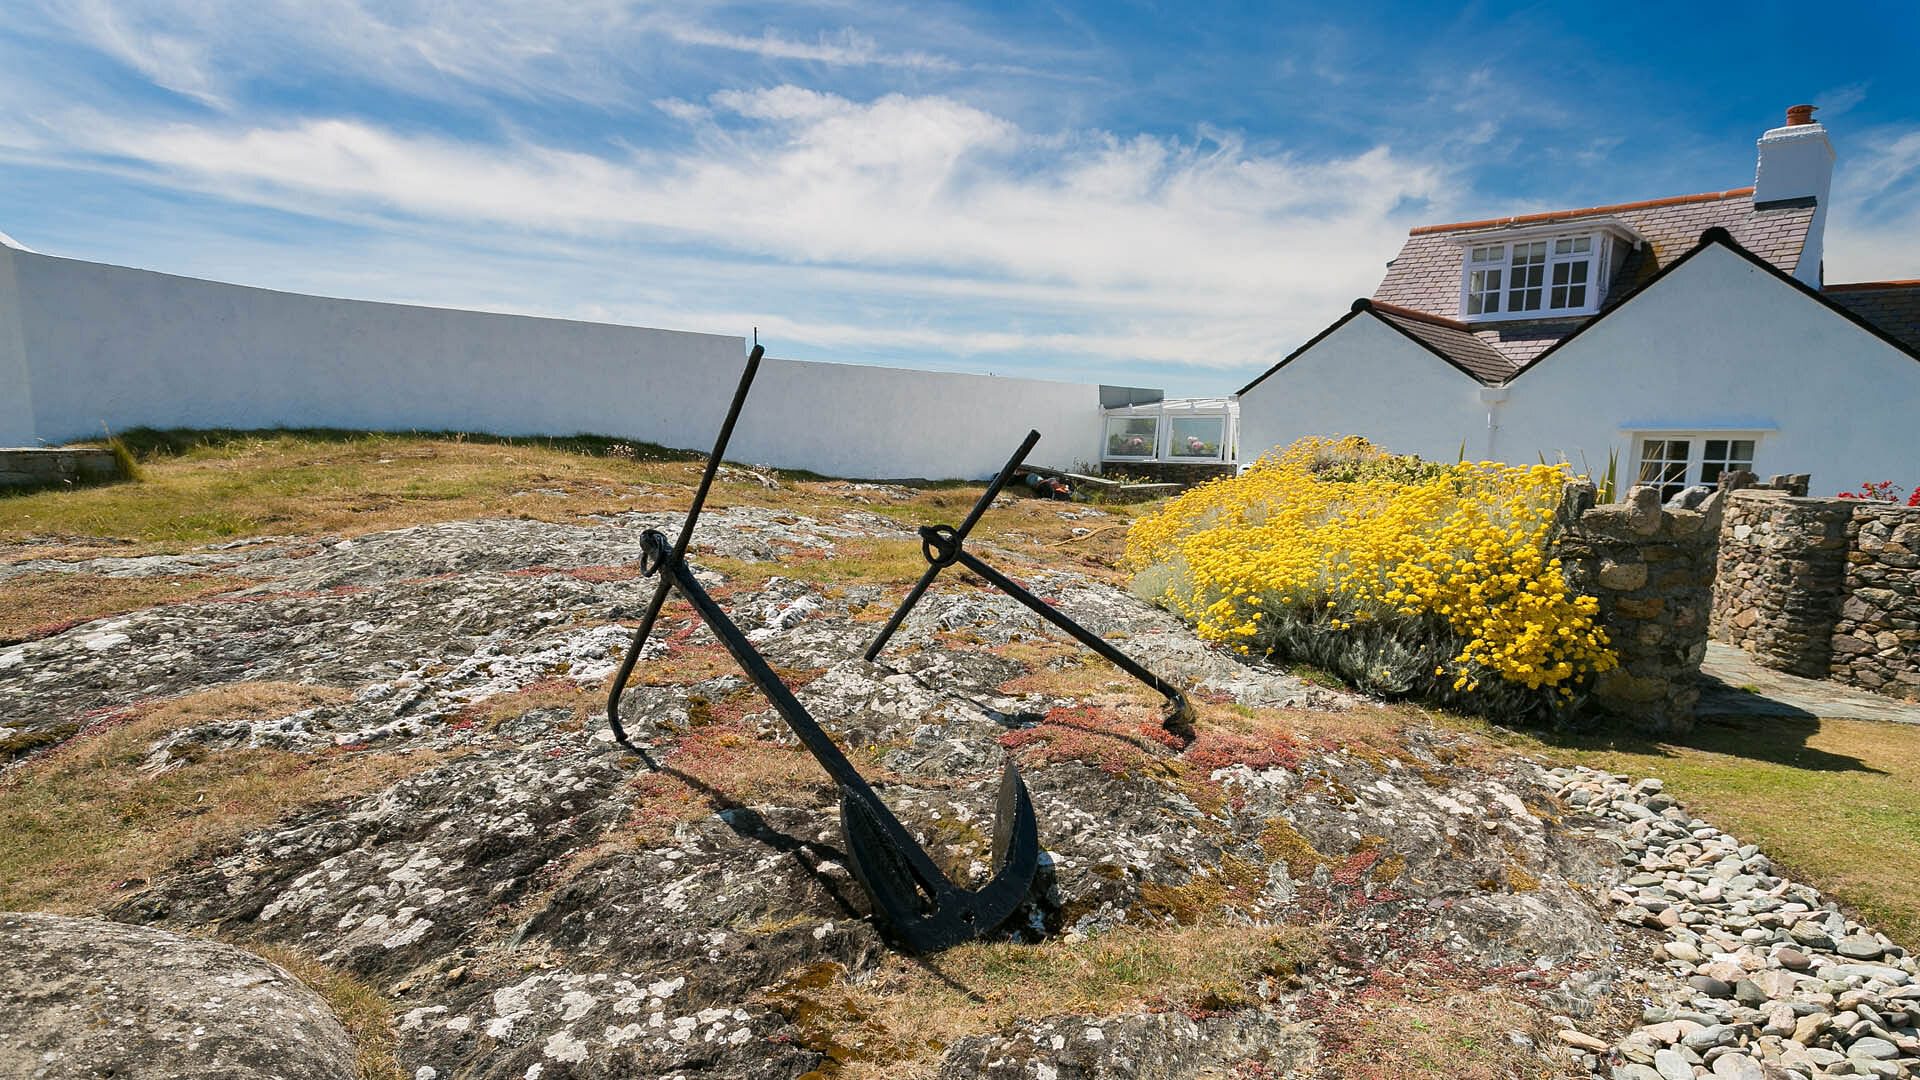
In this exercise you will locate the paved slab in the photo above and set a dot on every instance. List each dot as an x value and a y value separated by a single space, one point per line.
1735 685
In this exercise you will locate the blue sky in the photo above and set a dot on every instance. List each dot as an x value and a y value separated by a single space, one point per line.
1165 195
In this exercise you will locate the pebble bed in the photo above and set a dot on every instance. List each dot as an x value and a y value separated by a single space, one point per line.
1768 980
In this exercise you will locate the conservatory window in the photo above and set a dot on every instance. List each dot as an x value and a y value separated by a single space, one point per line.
1132 436
1197 437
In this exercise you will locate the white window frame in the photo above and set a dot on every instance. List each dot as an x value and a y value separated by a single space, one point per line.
1223 447
1696 450
1223 412
1152 450
1600 259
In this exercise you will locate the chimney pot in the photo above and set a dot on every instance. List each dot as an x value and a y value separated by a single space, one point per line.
1799 114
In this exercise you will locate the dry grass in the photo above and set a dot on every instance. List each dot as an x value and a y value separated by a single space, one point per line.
367 1016
891 563
896 1022
1067 669
41 604
228 485
202 486
85 819
1405 1028
566 694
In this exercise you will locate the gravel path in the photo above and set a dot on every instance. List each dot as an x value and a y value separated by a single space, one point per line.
1766 979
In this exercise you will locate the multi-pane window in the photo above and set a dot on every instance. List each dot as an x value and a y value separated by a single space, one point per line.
1663 464
1673 463
1485 265
1721 456
1562 274
1528 270
1570 267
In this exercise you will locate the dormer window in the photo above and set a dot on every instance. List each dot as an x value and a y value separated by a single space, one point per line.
1534 274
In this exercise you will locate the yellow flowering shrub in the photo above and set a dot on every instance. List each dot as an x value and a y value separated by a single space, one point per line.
1406 577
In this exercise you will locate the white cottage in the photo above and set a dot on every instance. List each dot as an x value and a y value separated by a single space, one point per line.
1689 335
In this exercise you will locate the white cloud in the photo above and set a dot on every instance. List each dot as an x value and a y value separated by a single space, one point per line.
844 48
1873 233
1207 252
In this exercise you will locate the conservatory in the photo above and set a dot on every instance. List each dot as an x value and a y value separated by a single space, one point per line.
1193 431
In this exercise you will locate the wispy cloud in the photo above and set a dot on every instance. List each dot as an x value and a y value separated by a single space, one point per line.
922 186
1873 232
844 47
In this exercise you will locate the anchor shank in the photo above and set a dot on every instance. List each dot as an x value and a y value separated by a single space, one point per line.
804 726
1079 633
659 600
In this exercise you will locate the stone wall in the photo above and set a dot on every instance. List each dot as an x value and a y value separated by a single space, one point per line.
1652 571
1189 473
26 469
1876 639
1782 572
1825 588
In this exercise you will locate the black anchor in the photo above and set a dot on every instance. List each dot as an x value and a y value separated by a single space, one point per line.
924 909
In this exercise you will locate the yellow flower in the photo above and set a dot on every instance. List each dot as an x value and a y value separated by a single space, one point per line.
1467 546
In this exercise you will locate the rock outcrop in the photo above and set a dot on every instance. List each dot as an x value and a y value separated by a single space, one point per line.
536 903
87 999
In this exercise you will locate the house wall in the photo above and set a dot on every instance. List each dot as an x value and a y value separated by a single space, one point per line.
84 345
1717 344
1366 379
1721 343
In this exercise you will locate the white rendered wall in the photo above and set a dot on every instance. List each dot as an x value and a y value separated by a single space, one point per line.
1722 344
16 391
1366 379
104 345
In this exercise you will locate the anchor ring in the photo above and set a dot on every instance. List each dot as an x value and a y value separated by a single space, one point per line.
653 552
940 544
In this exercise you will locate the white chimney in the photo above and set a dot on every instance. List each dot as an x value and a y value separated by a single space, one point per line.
1796 168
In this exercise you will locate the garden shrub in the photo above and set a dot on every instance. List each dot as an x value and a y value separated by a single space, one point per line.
1408 578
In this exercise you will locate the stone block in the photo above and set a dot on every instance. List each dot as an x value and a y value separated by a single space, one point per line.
1647 608
1621 576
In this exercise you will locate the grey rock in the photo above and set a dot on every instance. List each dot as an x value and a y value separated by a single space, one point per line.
1881 972
1859 947
1872 1049
1812 936
1710 986
1737 1066
1135 1045
88 998
1672 1066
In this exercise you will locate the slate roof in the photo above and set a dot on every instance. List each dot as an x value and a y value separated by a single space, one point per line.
1452 339
1425 276
1893 306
